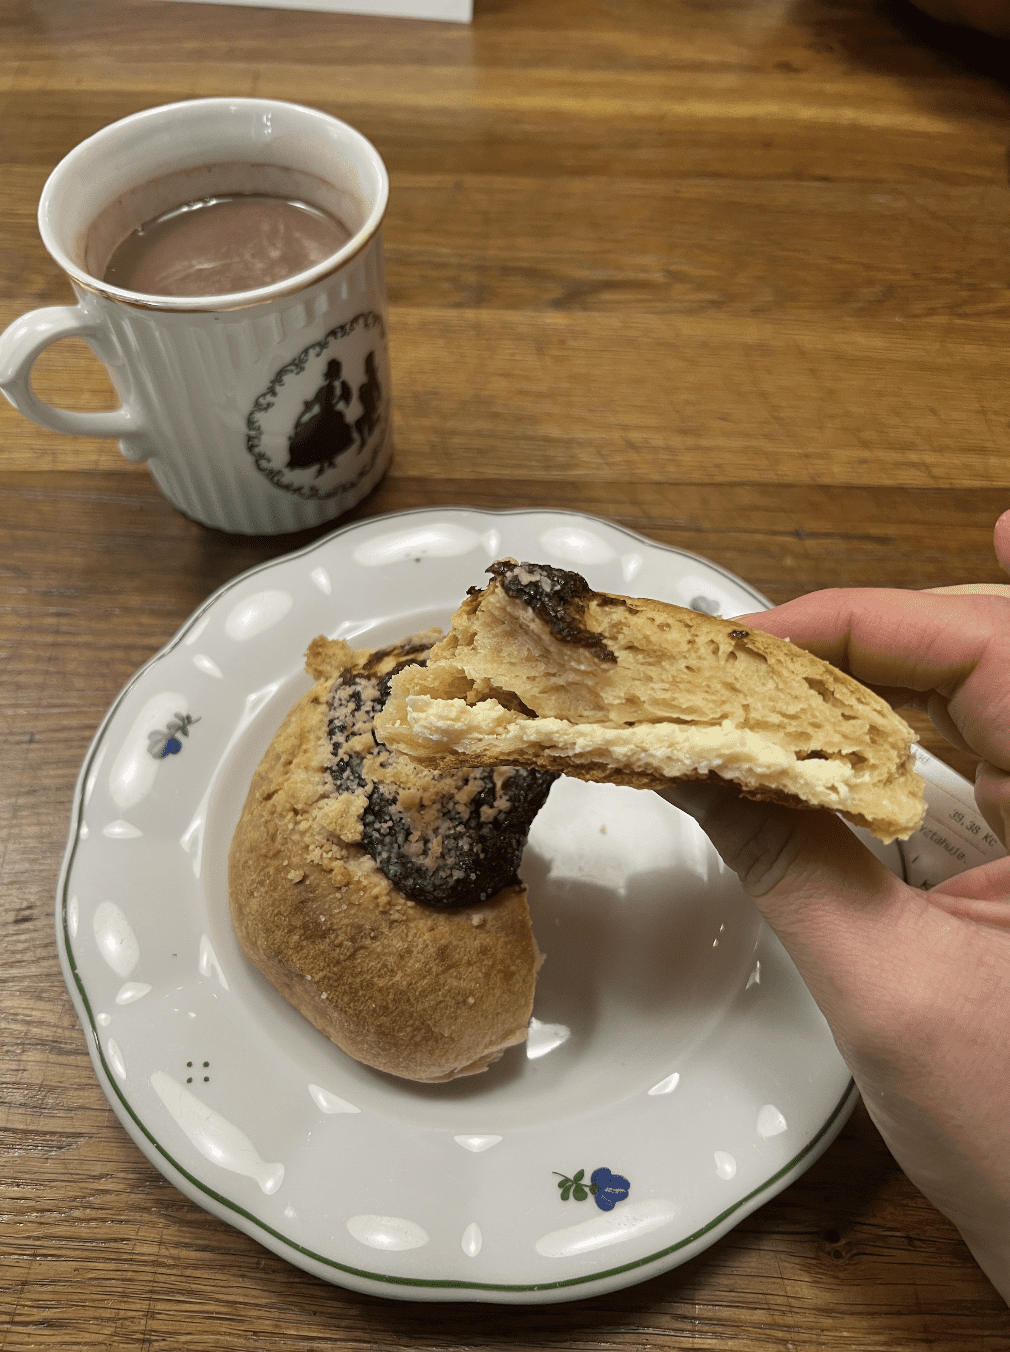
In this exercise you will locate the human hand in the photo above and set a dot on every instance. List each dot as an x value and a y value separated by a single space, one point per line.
915 985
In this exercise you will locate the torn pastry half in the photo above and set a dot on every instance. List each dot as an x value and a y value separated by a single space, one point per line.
380 898
540 670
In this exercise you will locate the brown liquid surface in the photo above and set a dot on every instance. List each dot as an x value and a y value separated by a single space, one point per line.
223 244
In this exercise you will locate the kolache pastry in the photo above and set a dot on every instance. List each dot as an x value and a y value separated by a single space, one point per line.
538 670
381 898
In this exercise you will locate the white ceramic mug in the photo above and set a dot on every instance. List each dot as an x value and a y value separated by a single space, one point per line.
213 387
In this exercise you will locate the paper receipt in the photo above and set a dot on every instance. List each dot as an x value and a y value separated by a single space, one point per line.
954 835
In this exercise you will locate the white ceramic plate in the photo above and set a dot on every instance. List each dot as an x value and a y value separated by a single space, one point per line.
674 1047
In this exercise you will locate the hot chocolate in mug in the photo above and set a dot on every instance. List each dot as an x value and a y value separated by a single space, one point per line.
262 409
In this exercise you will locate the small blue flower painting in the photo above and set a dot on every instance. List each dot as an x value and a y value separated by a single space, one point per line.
164 741
605 1187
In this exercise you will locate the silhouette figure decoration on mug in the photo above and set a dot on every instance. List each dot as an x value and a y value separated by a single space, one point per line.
327 444
321 432
370 399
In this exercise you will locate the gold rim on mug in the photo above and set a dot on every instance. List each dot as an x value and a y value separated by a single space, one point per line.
233 300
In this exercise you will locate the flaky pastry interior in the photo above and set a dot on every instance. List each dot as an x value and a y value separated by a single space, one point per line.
539 670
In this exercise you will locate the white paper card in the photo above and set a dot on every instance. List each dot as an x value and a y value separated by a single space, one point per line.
459 11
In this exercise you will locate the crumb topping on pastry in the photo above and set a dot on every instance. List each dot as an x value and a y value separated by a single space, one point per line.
445 840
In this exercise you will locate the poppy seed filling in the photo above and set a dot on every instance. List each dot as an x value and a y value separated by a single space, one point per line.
558 598
444 840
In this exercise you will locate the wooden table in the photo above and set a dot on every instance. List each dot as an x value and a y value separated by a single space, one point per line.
734 276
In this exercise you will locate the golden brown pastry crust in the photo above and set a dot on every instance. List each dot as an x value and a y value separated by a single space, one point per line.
539 670
417 992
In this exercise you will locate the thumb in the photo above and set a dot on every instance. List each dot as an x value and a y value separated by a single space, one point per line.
833 904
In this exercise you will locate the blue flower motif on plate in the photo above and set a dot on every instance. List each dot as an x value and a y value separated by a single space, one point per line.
605 1187
164 742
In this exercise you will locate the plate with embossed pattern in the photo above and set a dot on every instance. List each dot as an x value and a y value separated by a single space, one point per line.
677 1073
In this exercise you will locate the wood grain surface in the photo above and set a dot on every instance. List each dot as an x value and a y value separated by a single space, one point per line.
732 273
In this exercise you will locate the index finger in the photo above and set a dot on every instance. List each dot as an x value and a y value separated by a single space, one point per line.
958 646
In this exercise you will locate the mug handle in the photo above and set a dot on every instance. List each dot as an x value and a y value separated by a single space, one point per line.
20 347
